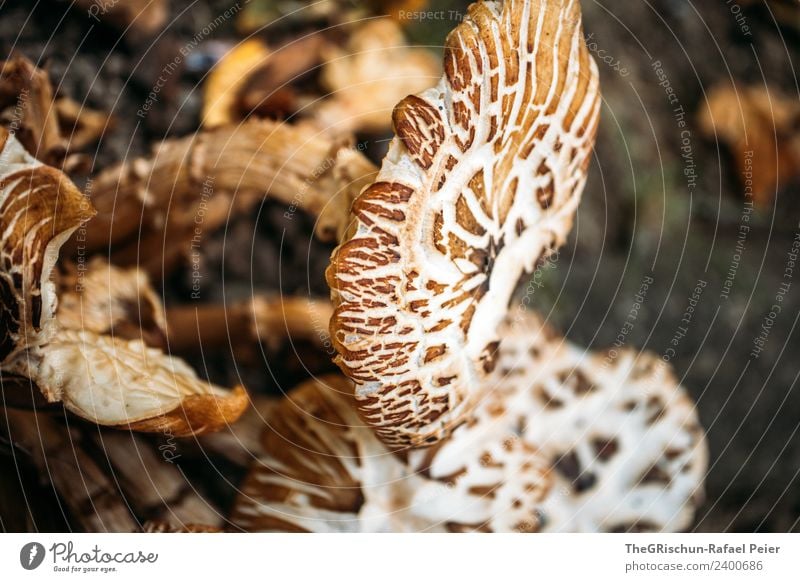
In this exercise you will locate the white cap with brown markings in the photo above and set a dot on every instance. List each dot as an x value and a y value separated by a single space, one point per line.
480 183
322 470
627 449
559 443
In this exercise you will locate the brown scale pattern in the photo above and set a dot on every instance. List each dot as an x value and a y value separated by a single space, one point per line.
481 182
39 209
563 440
322 470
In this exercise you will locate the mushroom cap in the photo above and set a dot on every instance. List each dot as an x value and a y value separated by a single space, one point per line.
114 382
482 180
559 443
322 470
623 437
40 208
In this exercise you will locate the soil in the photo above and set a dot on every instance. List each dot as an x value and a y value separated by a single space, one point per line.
642 217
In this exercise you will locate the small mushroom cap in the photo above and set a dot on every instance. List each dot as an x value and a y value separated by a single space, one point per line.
559 443
40 208
122 383
481 181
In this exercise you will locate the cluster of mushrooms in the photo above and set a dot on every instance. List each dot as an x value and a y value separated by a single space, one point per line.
452 411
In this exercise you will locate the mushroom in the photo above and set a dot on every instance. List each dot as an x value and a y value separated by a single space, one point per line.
368 76
196 183
480 183
324 471
627 449
103 378
30 113
39 210
559 443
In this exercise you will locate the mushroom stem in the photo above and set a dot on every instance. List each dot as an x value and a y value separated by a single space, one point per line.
265 319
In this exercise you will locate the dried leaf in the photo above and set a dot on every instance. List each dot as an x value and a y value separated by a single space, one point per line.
276 90
480 183
109 300
155 200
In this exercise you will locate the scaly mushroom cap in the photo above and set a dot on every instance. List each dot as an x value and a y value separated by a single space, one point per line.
105 379
622 435
40 208
560 443
481 181
324 471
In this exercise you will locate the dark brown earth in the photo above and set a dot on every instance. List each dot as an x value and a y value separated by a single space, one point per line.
641 217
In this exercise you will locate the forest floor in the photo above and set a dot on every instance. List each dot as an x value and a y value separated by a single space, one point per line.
642 217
